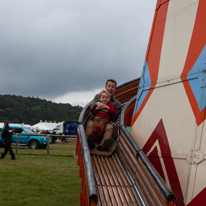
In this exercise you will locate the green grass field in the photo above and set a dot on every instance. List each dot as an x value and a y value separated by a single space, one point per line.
40 180
54 149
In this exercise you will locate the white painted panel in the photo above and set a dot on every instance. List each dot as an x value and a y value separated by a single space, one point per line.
178 31
169 103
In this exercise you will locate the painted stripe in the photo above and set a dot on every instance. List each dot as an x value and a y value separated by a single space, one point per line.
195 63
145 81
153 54
199 65
197 85
198 39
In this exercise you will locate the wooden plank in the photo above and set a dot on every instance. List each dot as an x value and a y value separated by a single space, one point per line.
96 175
111 194
144 190
132 196
99 172
127 161
103 171
112 172
127 196
139 177
125 174
124 92
126 144
122 197
117 197
116 172
136 196
156 189
121 170
132 173
98 201
108 172
125 87
107 198
101 199
142 178
126 98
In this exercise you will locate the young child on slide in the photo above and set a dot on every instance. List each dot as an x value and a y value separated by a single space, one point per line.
102 116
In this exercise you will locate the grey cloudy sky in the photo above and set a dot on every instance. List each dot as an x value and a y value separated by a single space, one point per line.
64 50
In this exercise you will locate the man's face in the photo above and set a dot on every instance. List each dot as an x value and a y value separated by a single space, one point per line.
111 87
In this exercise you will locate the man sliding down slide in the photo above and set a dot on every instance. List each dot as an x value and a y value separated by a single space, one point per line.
106 140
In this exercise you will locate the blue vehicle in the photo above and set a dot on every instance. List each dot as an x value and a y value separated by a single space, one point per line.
34 142
67 128
70 128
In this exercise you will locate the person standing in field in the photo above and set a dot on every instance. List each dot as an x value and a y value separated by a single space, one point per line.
7 136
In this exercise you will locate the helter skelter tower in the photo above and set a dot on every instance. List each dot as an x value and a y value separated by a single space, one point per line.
169 117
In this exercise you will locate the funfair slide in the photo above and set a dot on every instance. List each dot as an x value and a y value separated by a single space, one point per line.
161 141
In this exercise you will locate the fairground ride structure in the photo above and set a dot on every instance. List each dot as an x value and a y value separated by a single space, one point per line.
162 157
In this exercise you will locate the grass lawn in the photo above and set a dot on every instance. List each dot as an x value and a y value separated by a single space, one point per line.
40 180
54 149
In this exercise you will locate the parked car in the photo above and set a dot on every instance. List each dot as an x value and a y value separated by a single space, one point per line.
34 142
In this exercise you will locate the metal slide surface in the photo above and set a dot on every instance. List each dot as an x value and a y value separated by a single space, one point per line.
126 177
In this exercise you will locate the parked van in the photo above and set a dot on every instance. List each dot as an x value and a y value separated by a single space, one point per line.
67 128
34 142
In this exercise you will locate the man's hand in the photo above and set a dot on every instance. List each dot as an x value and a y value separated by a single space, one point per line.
100 105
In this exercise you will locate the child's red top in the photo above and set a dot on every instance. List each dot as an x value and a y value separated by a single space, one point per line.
105 115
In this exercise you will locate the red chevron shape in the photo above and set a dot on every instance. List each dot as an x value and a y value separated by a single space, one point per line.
159 134
199 200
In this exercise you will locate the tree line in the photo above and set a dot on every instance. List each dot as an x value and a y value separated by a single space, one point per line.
30 110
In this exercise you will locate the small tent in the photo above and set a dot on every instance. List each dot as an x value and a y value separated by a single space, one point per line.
45 125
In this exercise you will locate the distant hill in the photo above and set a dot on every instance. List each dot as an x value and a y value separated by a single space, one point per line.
30 110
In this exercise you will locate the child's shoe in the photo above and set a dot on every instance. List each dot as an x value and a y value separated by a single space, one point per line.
105 145
91 140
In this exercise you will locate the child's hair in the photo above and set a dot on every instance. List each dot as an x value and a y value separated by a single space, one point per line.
104 91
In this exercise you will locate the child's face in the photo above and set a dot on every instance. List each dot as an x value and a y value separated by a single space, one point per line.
104 98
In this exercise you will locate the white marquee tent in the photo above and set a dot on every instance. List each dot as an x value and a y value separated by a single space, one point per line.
45 125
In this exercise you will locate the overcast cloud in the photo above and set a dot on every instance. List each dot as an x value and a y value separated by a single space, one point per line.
64 50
